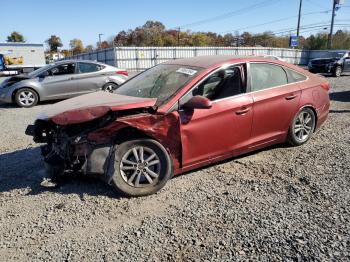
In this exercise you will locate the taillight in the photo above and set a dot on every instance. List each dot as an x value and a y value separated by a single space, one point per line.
122 72
325 86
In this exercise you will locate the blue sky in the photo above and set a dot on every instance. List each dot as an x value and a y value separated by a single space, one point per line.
85 19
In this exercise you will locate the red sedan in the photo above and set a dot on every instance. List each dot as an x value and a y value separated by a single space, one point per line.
178 116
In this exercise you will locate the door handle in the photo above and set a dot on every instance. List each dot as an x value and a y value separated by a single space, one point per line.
242 110
291 97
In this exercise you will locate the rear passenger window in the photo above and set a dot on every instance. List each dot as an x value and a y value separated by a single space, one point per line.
294 76
89 67
265 76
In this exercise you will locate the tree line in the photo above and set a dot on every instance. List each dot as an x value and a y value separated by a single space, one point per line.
154 33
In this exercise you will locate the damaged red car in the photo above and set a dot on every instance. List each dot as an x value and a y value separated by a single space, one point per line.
179 116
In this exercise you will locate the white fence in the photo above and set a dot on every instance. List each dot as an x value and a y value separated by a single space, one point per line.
141 58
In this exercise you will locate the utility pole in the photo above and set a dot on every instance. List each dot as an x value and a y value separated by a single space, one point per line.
178 36
299 16
99 40
329 44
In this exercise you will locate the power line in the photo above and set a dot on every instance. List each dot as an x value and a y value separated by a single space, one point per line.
317 4
275 21
311 27
229 14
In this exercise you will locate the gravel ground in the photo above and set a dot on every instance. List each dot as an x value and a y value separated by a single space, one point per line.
282 203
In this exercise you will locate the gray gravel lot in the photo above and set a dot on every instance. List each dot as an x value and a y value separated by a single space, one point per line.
282 203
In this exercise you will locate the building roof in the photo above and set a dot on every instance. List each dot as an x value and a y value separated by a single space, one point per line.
21 44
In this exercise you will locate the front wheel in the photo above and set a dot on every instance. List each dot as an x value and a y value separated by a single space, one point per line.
26 97
337 71
302 127
110 87
142 167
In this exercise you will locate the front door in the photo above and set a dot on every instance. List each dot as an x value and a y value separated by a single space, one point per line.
211 133
59 81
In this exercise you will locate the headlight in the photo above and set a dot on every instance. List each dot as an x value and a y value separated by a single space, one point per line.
309 64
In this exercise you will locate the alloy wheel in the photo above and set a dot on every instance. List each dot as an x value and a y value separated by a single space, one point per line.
338 71
140 166
109 88
303 126
26 98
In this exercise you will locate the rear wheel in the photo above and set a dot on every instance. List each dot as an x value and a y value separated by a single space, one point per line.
110 87
26 97
141 167
337 71
302 127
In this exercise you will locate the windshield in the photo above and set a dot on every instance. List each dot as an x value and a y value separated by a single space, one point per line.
39 71
161 82
337 54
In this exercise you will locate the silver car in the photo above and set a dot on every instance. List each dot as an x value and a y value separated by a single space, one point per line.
61 80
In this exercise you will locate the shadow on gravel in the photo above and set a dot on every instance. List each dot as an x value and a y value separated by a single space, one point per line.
343 96
4 105
339 111
24 169
13 105
237 158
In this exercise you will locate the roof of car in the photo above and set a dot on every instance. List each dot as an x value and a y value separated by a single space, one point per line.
208 61
76 60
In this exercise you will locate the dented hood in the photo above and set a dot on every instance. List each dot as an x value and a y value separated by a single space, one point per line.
91 106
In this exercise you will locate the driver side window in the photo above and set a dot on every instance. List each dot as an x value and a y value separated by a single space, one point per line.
221 84
64 69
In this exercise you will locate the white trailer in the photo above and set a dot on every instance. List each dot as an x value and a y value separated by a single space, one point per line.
16 58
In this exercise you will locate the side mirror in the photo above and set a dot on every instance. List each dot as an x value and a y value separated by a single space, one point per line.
198 102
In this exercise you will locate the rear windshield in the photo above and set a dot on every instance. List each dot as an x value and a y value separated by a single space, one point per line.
161 82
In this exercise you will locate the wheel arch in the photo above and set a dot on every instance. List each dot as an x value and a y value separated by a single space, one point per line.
130 132
313 110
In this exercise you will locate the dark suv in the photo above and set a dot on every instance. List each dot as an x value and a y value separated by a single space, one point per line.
336 63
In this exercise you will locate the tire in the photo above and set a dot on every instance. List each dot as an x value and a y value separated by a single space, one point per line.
26 97
110 87
302 127
337 71
152 173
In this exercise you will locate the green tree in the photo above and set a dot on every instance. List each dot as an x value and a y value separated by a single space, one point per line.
200 39
317 42
153 31
15 37
54 43
341 40
76 46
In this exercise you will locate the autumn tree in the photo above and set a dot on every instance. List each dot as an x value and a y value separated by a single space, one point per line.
89 48
15 37
66 52
76 46
54 43
104 45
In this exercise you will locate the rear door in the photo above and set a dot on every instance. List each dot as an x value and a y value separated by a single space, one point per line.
89 77
59 82
276 101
